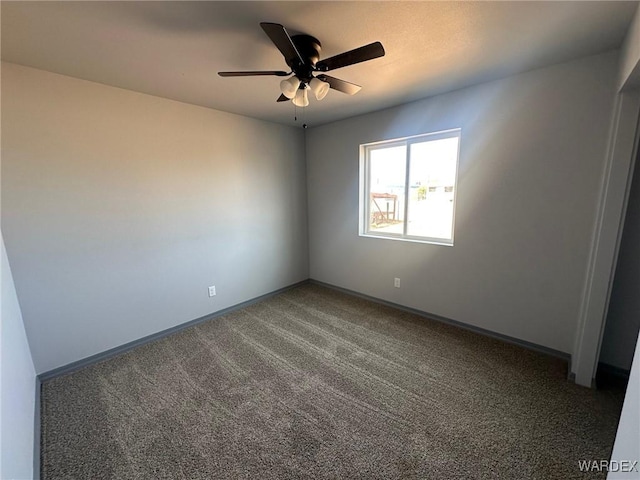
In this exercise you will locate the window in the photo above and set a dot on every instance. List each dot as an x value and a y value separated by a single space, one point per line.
408 187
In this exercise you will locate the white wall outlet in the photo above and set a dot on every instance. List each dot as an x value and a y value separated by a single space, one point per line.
396 282
212 291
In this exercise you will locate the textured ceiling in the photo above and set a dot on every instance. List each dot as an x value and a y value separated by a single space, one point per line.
175 49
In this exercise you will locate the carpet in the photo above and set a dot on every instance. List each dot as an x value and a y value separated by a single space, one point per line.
316 383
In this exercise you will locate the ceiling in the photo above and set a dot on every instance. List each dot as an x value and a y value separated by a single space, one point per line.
175 49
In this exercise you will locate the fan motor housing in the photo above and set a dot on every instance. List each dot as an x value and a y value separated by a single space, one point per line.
309 48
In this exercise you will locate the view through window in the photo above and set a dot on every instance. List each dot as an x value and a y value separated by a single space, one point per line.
409 186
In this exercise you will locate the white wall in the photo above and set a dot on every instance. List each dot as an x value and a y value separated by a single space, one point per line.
119 209
627 444
17 385
532 155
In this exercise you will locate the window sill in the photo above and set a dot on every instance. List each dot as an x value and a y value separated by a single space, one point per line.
430 241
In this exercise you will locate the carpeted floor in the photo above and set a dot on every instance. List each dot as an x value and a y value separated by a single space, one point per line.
314 383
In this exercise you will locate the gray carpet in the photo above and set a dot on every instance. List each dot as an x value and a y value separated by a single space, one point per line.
314 383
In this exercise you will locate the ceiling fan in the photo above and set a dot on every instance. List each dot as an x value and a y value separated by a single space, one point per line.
302 55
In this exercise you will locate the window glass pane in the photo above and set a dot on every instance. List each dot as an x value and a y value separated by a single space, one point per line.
387 176
432 175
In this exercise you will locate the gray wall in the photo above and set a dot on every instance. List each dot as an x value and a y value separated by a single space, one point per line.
630 55
623 316
532 154
119 209
17 384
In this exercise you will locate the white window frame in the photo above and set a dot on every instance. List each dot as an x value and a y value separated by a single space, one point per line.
365 193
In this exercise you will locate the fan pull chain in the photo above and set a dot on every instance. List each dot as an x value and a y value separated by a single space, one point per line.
295 115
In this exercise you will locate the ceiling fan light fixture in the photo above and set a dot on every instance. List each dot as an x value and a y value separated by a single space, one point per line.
301 53
289 87
319 88
302 98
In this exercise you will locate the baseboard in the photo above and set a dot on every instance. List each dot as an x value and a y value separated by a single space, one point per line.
487 333
614 371
114 352
85 362
611 376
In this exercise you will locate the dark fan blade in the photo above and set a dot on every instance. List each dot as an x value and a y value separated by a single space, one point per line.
340 85
252 74
282 40
362 54
282 98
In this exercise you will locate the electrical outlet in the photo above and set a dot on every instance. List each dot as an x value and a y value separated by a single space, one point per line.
396 282
212 291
